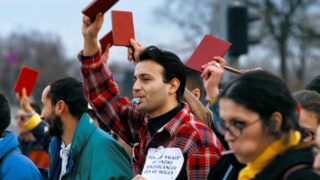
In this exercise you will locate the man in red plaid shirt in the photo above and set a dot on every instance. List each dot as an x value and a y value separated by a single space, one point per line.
159 118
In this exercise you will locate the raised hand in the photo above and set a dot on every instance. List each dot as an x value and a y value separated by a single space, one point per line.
134 51
212 74
90 32
24 101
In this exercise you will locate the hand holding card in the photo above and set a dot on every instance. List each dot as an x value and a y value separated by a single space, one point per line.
208 48
26 79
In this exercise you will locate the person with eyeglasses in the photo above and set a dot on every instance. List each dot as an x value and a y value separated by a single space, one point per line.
29 145
259 121
309 116
228 167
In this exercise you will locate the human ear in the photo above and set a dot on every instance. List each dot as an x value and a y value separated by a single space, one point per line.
174 85
196 92
59 107
276 121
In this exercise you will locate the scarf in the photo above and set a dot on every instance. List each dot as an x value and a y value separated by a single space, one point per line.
275 148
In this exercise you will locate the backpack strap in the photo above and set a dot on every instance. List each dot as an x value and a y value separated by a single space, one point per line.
293 169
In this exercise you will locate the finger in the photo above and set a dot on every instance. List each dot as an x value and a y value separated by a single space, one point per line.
24 92
213 63
130 53
18 96
220 60
99 20
130 50
134 43
86 20
206 73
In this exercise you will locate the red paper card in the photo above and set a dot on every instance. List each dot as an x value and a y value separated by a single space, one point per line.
209 47
122 28
105 40
27 78
97 6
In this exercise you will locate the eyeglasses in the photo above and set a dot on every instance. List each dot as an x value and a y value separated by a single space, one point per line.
235 127
308 135
20 117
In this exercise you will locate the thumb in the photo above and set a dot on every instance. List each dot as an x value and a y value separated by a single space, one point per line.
24 92
135 44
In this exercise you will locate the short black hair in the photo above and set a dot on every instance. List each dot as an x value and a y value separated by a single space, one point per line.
194 80
171 63
314 84
264 94
4 113
71 92
309 100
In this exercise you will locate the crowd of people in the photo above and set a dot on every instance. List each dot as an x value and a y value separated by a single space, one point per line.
180 125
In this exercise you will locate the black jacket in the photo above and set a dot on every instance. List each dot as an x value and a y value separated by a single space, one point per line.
227 168
281 165
276 170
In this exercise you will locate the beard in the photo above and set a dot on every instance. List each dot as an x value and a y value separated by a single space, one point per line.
55 126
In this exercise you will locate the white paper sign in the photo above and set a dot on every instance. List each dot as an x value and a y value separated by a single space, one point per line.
163 163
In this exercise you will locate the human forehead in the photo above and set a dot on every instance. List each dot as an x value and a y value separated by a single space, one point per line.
230 109
44 96
148 67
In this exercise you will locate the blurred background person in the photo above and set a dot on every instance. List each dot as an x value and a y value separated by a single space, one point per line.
316 163
309 116
29 146
314 84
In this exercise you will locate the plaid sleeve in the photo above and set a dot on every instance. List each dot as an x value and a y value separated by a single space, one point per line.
102 93
200 162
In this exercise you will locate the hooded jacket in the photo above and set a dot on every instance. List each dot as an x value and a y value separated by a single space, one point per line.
14 165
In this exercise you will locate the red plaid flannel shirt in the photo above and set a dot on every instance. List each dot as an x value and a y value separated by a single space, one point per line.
199 145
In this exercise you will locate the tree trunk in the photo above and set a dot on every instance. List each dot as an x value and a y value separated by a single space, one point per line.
283 58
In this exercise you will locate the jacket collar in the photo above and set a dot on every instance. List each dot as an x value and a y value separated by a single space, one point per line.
82 134
172 126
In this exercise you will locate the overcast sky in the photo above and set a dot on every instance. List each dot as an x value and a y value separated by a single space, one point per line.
64 18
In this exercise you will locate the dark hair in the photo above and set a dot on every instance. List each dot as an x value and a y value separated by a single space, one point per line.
264 94
172 65
309 100
4 113
194 80
314 84
71 92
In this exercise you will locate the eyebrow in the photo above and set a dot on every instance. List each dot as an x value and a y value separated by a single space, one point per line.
142 75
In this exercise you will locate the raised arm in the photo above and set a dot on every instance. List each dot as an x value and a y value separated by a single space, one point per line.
100 89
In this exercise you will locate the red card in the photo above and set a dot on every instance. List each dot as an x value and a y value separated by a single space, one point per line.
97 6
208 48
27 78
105 40
122 28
